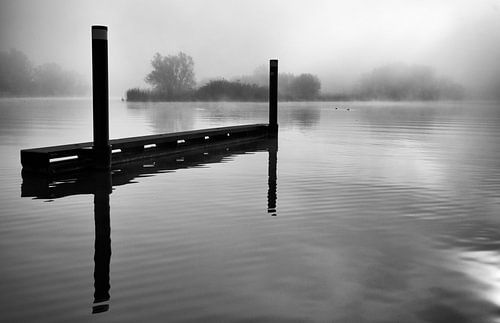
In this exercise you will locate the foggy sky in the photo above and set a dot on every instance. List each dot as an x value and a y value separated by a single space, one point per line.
336 40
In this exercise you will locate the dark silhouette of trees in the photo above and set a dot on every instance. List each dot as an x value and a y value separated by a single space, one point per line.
217 90
305 87
172 79
172 76
138 95
290 87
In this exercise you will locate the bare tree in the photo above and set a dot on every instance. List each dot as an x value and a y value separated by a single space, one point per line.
172 75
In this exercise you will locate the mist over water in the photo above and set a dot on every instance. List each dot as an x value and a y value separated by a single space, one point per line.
336 40
384 212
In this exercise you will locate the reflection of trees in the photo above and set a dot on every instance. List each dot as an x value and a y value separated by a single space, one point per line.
164 116
303 115
233 113
306 117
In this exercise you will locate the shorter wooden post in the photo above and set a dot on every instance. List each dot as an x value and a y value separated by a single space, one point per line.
273 97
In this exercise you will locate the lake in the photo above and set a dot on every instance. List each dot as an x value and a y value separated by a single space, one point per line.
386 212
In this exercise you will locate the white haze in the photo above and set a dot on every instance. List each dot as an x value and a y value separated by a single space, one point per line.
336 40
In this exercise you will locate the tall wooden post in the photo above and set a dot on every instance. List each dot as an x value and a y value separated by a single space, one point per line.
101 148
273 97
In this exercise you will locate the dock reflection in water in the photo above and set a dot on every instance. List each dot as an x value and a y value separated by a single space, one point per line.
101 184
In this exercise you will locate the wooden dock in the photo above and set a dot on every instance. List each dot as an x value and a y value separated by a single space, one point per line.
78 157
64 184
103 154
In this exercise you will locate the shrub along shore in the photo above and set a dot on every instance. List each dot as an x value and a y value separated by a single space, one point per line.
173 79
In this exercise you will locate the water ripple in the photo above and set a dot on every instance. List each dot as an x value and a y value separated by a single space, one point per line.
388 212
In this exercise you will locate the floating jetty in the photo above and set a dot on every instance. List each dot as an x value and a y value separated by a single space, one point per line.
91 182
81 156
103 153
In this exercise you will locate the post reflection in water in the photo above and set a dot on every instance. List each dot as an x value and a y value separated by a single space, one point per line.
102 245
272 182
100 184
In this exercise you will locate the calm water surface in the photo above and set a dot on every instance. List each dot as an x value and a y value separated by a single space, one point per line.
388 212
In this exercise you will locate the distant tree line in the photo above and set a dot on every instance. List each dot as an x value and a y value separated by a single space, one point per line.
214 90
173 79
290 87
20 77
229 90
298 88
404 82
